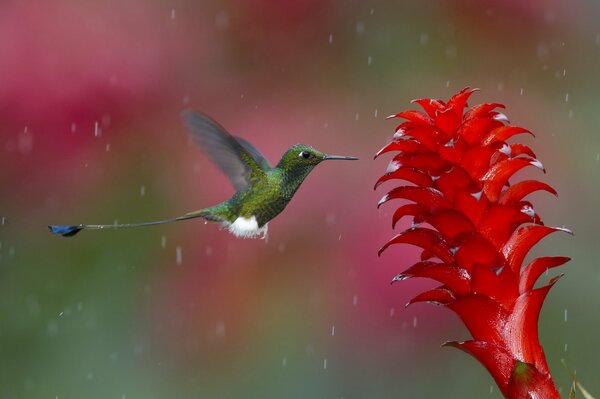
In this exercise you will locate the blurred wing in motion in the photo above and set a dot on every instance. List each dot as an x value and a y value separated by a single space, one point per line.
238 159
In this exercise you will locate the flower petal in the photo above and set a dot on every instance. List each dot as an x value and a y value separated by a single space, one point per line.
437 296
454 278
536 267
497 360
520 190
521 242
425 238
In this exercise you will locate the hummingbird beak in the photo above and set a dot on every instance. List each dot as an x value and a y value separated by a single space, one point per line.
339 157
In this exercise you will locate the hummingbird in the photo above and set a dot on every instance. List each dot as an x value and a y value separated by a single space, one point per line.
262 191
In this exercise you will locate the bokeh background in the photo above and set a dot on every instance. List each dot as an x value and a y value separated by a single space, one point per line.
90 97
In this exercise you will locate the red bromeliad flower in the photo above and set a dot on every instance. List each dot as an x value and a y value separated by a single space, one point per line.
479 230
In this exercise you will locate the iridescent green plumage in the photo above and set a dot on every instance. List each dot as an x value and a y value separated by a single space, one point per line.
262 191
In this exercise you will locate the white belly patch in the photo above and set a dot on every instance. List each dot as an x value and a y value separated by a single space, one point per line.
247 228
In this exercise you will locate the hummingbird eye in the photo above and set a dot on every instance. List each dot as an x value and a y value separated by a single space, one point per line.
305 154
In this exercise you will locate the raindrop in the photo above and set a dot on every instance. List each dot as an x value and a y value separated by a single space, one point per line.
447 83
491 388
564 72
324 363
369 60
186 100
330 38
178 255
222 20
25 141
392 312
415 322
570 113
107 147
521 91
355 300
73 127
330 218
60 314
372 11
566 347
567 97
163 241
340 237
332 330
424 39
142 190
360 28
172 13
52 328
209 251
97 130
3 222
220 329
376 112
356 116
284 361
566 314
597 159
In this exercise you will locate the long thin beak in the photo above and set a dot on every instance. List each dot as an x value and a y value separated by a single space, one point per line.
339 157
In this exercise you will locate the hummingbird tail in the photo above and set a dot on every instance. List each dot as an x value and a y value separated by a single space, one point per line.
65 231
70 231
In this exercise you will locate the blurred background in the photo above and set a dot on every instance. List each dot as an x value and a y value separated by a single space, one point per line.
90 97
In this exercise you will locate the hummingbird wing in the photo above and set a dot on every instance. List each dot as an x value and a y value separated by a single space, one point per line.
236 158
255 153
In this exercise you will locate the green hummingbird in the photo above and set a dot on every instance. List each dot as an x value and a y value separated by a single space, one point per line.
262 191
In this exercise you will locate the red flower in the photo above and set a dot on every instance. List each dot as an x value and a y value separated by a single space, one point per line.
475 230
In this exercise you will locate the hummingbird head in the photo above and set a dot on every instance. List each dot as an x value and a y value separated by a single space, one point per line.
301 158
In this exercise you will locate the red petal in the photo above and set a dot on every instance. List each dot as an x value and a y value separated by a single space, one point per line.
438 296
449 223
483 316
527 382
517 149
522 327
429 136
497 360
425 238
416 117
405 210
405 146
408 174
482 110
429 163
535 268
499 174
501 287
503 133
455 180
458 101
456 279
520 190
473 130
500 221
472 205
428 197
476 161
448 121
475 251
522 241
429 105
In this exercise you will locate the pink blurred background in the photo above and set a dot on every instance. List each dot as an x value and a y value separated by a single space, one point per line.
90 97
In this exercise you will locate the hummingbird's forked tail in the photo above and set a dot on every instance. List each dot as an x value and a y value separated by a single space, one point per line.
70 231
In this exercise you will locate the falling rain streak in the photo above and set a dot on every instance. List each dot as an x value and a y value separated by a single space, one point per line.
178 255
